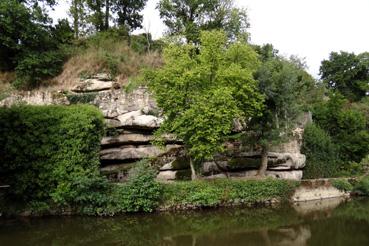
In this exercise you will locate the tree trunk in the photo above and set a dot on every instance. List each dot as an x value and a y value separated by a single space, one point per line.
193 171
223 170
76 18
264 162
107 14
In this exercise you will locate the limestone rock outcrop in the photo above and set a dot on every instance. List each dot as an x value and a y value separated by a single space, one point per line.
132 117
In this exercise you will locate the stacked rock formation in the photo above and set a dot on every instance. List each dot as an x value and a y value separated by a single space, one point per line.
132 118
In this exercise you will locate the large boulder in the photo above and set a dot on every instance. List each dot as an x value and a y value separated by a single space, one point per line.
114 103
137 119
93 85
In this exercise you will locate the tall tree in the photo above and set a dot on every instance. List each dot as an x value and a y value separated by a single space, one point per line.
97 16
22 30
202 91
128 12
283 83
78 13
189 17
347 73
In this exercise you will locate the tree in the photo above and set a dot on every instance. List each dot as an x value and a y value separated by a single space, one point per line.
78 12
29 44
283 83
128 12
189 17
202 91
347 126
22 30
347 73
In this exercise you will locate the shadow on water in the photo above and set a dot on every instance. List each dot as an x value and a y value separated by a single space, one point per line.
329 222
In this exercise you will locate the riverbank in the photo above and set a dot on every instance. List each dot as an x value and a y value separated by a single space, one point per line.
144 195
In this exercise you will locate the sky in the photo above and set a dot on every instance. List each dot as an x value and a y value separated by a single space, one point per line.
310 29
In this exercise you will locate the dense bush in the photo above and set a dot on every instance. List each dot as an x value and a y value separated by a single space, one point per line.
362 187
321 153
35 67
342 185
50 153
30 44
347 126
222 192
142 192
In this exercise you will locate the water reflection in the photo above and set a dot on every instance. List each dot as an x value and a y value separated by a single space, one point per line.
323 223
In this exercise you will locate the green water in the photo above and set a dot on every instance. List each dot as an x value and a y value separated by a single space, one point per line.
331 222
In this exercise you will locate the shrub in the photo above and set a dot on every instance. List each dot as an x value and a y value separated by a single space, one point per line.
204 193
141 192
50 152
342 185
35 67
362 187
347 126
321 153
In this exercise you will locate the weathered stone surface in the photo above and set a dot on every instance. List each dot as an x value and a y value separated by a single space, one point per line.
179 163
310 190
167 176
113 123
134 152
174 175
292 175
35 98
102 77
251 160
130 138
139 120
114 103
90 85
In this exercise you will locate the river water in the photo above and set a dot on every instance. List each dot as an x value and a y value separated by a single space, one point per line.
330 222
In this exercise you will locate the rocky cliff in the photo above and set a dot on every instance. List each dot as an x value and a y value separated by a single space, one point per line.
131 119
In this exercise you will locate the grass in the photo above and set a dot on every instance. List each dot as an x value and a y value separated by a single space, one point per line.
108 55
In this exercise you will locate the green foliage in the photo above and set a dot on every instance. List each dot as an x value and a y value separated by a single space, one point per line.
189 17
50 152
347 73
321 153
142 192
225 192
83 98
29 44
347 126
35 67
283 83
342 185
202 93
362 187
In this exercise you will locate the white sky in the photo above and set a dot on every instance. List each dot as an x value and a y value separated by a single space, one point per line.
310 29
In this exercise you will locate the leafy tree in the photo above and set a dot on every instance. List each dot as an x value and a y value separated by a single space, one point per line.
321 153
29 43
189 17
347 126
128 12
202 93
347 73
78 12
283 83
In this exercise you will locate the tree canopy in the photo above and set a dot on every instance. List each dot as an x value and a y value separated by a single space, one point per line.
283 83
347 73
190 17
202 93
